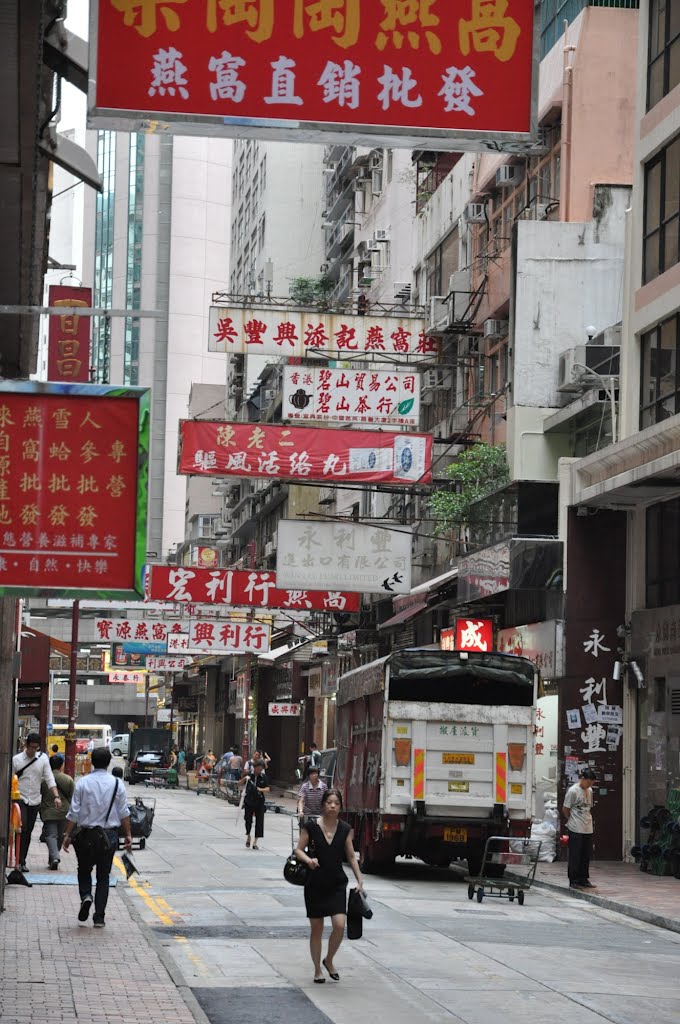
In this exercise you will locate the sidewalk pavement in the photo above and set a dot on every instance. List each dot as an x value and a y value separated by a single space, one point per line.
623 888
52 969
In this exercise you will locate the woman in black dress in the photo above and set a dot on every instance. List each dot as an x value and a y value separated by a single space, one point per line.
328 840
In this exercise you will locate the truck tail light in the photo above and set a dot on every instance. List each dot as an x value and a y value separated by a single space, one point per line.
402 752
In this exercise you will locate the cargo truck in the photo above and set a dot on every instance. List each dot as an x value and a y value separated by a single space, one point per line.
435 754
149 739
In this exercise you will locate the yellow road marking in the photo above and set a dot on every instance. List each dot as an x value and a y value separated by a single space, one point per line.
151 903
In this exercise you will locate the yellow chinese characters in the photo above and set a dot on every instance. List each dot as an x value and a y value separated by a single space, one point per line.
30 449
258 15
88 451
58 515
32 417
341 16
116 486
142 15
68 347
408 20
256 439
87 516
61 418
117 451
225 436
489 30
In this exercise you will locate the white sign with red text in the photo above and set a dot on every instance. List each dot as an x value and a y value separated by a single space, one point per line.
137 678
264 331
207 637
139 630
350 396
283 710
164 663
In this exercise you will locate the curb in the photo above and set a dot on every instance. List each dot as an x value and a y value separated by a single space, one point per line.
626 909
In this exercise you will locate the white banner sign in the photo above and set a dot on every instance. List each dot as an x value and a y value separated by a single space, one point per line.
135 630
165 663
138 678
283 332
350 396
541 642
283 710
351 556
178 643
228 638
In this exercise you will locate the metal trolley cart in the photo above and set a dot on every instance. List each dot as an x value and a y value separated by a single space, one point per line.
141 822
508 869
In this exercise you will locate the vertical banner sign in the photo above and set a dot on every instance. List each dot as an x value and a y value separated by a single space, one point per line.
474 635
73 489
449 69
68 344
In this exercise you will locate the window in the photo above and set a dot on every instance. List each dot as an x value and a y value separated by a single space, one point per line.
659 384
663 61
662 574
662 212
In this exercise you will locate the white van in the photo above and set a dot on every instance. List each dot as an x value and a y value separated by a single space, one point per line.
120 744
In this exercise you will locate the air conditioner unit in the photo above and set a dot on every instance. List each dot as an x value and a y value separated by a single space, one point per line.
574 364
381 235
508 176
439 315
377 182
372 245
362 249
268 549
360 184
376 160
475 213
495 328
436 380
329 169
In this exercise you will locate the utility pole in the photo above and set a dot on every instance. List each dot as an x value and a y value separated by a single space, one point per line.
8 693
70 760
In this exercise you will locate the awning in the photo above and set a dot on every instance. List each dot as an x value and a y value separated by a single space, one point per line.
424 588
405 615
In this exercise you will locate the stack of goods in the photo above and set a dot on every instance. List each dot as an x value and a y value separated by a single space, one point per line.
660 855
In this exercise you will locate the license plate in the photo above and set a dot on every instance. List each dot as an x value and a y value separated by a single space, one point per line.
455 835
459 787
451 758
516 788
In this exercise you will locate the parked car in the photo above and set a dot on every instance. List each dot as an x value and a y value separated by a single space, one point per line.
120 744
146 763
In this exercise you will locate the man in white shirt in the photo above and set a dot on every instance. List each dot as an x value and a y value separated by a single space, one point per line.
99 802
578 810
32 769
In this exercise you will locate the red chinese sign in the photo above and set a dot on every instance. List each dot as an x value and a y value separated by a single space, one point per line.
69 510
284 710
239 587
474 634
460 67
217 448
68 343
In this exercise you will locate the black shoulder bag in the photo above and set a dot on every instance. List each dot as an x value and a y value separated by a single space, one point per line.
94 842
294 871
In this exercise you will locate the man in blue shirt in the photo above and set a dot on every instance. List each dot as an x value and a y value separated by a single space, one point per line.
99 802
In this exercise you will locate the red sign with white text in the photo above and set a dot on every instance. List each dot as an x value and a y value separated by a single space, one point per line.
240 588
474 634
68 342
455 66
216 448
68 490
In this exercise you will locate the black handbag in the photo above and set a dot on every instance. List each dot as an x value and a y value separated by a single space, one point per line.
294 871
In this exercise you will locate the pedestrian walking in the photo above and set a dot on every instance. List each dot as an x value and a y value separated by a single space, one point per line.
99 807
235 766
322 846
578 810
32 769
256 785
313 759
181 758
310 795
54 818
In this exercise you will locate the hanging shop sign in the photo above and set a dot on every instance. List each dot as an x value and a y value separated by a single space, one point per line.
178 643
284 710
217 448
261 330
73 489
166 663
136 678
136 630
314 682
369 559
68 337
242 588
208 558
228 638
350 396
541 642
474 635
350 71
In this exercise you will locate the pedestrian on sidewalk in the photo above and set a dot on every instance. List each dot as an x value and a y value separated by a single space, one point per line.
256 785
54 818
310 795
313 759
578 810
99 807
235 766
32 769
322 846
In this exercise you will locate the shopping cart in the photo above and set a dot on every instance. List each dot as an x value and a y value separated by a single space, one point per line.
514 860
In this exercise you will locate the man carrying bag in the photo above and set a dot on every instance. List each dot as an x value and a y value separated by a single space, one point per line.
99 807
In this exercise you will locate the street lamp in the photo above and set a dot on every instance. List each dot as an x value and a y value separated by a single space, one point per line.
608 382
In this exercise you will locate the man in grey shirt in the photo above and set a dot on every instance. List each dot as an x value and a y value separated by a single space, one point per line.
577 809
